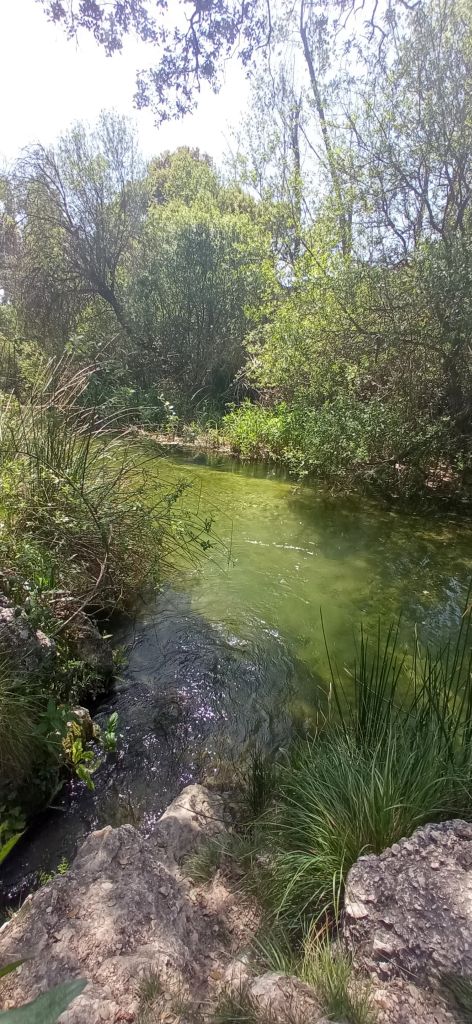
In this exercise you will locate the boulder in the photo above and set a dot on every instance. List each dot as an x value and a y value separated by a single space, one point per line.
280 998
194 817
118 914
26 648
408 917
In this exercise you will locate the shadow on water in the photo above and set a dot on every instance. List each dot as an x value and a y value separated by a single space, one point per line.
191 697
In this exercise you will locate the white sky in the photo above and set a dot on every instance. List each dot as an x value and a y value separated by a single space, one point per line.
47 82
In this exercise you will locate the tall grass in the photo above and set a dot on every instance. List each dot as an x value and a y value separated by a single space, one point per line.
391 755
75 491
20 743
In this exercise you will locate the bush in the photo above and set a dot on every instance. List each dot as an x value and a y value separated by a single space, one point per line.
344 440
77 514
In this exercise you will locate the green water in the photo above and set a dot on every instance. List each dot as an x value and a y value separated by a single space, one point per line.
291 553
231 651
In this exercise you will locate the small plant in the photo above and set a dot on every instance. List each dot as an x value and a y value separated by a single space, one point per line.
259 781
149 990
202 865
83 762
108 736
12 826
324 966
45 877
329 970
235 1008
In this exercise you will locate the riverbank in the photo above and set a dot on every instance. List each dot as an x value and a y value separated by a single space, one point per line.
393 483
151 943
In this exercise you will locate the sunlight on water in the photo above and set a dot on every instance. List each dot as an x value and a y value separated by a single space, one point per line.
231 652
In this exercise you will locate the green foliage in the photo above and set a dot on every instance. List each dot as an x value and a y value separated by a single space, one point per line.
202 865
149 990
237 1008
76 514
396 757
47 876
329 970
46 1008
259 782
323 964
108 737
83 762
200 276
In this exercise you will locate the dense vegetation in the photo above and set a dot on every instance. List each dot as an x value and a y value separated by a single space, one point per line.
320 285
309 303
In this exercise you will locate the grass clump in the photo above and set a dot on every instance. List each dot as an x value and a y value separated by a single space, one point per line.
330 971
236 1008
201 865
394 756
322 964
150 990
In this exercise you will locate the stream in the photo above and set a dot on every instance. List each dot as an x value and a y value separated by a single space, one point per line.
230 652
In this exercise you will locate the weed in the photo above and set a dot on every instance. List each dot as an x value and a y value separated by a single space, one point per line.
149 990
330 971
47 876
259 781
202 865
323 965
235 1008
108 737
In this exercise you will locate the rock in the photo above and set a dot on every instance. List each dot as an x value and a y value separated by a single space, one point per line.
118 913
280 997
82 635
84 719
28 649
195 816
408 915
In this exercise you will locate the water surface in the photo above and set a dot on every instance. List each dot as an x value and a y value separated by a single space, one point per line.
231 651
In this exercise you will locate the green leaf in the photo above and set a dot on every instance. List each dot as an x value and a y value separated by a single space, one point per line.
8 968
46 1008
6 848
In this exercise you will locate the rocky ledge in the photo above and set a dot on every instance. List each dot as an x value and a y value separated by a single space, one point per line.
125 912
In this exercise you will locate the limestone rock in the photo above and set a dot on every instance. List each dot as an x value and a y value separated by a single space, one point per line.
82 634
118 913
195 816
280 997
28 649
408 918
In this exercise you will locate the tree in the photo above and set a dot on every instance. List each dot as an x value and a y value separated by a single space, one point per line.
201 278
82 204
